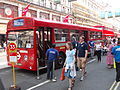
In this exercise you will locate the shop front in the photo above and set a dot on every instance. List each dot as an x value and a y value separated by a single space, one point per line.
3 28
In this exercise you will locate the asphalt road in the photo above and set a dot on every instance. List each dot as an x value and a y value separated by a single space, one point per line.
98 78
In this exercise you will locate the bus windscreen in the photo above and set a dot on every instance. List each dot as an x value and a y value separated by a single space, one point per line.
23 39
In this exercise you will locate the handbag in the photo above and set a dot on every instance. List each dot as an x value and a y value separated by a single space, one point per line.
67 74
62 74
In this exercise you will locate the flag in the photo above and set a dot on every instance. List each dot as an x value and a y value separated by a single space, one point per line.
25 10
66 19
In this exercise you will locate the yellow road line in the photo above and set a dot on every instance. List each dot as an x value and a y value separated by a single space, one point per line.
117 86
111 88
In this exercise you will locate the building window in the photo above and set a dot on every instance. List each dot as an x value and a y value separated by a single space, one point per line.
44 15
51 5
36 2
55 18
63 9
8 11
42 2
55 6
31 13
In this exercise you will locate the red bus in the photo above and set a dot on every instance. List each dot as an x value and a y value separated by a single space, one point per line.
108 33
34 36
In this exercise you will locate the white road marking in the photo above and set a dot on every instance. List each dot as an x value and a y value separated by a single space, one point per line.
117 86
111 88
38 85
91 61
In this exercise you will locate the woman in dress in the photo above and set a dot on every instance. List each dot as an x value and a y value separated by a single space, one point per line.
69 64
110 57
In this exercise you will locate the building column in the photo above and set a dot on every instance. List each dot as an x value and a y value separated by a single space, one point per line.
51 16
19 10
38 13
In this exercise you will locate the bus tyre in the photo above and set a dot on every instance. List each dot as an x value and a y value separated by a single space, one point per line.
61 60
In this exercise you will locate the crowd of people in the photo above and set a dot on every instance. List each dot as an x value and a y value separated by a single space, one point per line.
78 52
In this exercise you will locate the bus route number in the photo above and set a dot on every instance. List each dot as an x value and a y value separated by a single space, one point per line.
12 46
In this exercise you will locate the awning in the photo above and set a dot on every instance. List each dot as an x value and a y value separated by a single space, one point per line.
3 28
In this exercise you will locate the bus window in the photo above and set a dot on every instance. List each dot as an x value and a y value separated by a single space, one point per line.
23 39
61 35
95 35
74 34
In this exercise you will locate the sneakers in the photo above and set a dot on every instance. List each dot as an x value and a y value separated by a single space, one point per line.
80 70
54 80
82 78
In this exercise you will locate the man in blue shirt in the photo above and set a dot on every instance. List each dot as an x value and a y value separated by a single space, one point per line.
92 45
116 53
51 55
82 56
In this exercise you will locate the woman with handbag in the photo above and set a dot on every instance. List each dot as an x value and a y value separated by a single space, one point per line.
69 64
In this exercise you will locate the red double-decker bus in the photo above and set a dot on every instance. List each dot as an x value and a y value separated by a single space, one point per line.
33 37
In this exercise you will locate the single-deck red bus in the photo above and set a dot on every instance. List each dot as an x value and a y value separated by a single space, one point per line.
107 32
34 36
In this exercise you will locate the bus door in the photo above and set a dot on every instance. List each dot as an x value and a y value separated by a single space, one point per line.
44 40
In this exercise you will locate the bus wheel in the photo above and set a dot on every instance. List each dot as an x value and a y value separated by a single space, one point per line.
61 60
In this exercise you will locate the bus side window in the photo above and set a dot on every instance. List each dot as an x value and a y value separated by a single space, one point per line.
28 44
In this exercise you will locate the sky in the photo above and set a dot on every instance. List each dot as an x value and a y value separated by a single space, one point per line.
114 3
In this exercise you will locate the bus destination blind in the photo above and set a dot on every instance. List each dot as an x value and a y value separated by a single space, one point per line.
18 22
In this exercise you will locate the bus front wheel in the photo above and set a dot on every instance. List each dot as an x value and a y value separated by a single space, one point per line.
60 60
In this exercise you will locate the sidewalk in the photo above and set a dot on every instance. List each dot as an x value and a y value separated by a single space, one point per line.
3 54
3 60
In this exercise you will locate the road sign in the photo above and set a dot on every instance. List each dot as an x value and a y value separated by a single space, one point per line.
12 52
13 59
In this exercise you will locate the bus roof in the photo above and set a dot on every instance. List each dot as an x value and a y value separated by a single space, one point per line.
30 22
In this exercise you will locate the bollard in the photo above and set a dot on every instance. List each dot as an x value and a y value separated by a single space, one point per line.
16 88
1 85
54 77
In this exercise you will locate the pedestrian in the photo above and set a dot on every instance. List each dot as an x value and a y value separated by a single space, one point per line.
82 56
4 45
109 57
69 64
116 53
91 45
75 44
98 47
51 55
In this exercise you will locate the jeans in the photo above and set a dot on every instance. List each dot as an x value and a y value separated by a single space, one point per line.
92 52
117 71
50 69
98 53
